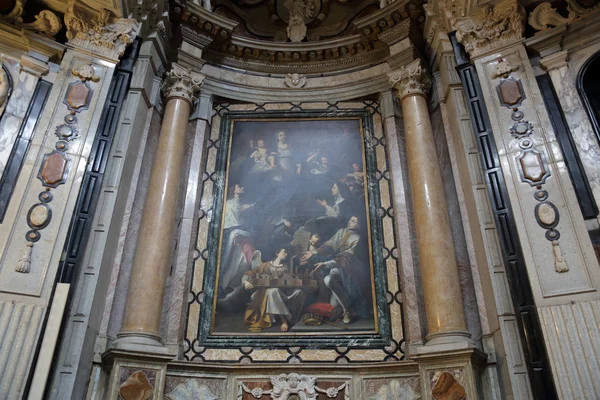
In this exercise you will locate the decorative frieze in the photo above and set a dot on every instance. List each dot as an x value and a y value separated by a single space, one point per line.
181 82
289 386
411 79
491 28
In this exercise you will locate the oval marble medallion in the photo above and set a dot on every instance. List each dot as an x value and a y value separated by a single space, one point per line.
546 214
38 216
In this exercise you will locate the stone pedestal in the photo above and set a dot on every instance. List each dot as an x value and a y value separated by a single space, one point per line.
450 373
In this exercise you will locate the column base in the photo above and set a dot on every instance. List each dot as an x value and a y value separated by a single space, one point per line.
446 337
140 341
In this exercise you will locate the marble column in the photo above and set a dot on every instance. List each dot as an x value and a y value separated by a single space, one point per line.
150 267
441 287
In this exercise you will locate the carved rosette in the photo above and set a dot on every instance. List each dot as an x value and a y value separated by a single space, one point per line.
411 79
491 28
182 83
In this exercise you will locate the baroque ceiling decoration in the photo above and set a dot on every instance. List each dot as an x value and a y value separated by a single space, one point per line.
363 42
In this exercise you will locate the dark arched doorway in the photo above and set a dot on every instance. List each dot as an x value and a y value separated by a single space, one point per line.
588 85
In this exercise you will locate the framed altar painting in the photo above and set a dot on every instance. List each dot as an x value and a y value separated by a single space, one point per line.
295 240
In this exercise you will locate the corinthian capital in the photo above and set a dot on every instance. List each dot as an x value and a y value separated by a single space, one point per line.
411 79
492 27
183 83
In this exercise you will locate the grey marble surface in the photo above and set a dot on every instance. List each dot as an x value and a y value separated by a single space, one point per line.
456 225
125 258
12 118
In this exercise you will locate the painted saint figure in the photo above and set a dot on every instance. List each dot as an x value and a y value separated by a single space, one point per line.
268 305
340 269
234 208
339 208
239 250
285 158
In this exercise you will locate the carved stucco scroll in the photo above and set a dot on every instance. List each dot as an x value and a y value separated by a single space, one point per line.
545 16
492 27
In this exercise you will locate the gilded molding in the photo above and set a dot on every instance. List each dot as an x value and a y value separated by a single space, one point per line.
411 79
491 28
183 83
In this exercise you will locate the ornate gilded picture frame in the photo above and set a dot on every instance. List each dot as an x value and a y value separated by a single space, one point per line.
295 242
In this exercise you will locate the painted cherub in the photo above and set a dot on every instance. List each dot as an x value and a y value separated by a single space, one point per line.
262 160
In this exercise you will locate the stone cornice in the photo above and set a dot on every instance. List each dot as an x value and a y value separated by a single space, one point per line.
182 83
404 8
578 34
271 46
555 61
368 42
296 64
491 28
201 20
18 38
411 79
249 87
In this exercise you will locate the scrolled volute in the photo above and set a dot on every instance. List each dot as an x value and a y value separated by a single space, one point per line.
411 79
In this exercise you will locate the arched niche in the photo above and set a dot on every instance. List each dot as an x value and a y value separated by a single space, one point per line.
588 86
6 86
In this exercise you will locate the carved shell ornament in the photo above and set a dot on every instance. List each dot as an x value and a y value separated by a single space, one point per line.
295 81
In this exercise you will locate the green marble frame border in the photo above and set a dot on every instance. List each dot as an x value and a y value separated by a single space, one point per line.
378 340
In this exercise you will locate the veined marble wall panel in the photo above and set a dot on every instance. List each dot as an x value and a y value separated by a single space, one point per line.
470 304
489 274
175 300
22 91
412 289
89 297
549 286
572 331
114 312
33 287
43 142
564 81
396 380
